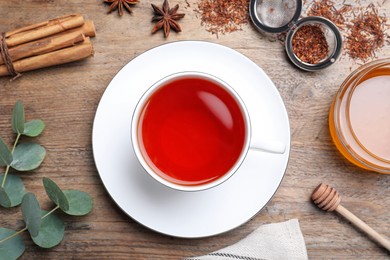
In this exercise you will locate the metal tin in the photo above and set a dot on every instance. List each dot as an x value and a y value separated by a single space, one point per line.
278 16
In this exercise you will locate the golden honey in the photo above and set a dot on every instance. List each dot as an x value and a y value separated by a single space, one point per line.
359 118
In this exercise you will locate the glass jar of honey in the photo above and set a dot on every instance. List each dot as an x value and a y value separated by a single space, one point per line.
359 118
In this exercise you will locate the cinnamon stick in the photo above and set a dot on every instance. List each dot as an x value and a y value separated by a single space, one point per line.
74 53
44 29
55 42
88 29
44 45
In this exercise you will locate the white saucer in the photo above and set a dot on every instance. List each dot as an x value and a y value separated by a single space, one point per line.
189 214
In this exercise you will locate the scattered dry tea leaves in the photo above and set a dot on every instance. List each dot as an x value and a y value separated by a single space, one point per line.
222 16
327 9
363 29
366 34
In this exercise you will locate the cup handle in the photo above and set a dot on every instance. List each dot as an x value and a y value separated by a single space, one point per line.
269 146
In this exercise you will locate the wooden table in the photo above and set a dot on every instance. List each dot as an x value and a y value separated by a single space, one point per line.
66 98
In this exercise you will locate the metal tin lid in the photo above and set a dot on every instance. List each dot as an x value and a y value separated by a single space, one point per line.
275 16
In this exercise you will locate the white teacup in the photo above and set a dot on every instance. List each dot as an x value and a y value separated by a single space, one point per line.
168 124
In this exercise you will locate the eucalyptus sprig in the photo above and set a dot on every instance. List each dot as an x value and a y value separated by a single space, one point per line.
22 157
46 228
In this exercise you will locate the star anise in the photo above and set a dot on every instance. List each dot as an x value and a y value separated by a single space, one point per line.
120 4
166 18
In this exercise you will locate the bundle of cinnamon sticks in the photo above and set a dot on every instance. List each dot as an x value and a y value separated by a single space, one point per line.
57 41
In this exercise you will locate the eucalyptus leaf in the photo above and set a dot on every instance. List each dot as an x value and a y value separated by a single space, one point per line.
18 118
55 194
31 212
12 248
28 156
80 203
14 188
51 232
5 154
5 201
33 128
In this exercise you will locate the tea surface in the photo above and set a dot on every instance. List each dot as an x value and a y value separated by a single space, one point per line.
191 131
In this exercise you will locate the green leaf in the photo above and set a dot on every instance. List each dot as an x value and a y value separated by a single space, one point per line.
56 194
28 156
33 128
51 232
12 248
80 203
31 212
14 189
18 118
5 154
5 201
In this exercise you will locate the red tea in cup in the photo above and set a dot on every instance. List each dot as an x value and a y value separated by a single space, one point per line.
191 130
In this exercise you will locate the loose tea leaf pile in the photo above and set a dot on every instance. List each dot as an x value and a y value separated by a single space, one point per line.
221 16
366 34
46 229
364 29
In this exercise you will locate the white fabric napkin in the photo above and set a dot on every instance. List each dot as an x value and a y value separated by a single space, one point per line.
273 241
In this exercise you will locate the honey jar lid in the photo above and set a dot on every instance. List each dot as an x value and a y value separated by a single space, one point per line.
278 16
368 114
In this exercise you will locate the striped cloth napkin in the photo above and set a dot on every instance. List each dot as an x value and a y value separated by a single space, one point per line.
273 241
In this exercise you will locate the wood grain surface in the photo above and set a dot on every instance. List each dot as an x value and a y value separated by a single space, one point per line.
66 98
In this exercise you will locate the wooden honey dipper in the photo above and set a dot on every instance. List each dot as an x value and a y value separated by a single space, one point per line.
328 199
